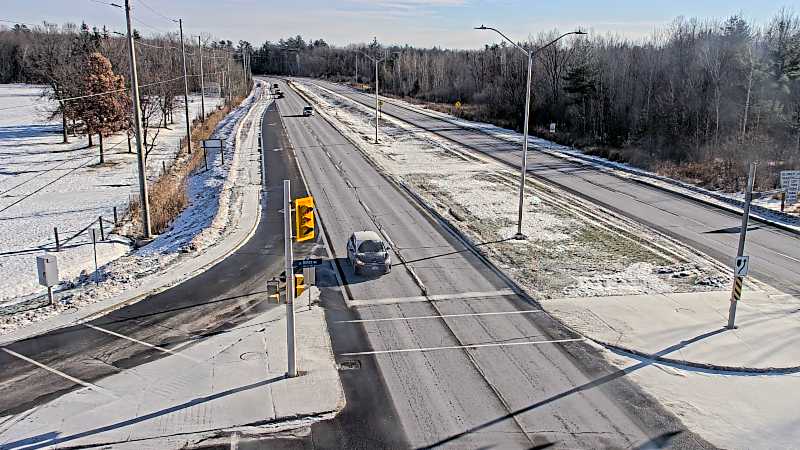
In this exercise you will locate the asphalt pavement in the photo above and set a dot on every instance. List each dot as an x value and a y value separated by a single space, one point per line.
467 361
774 253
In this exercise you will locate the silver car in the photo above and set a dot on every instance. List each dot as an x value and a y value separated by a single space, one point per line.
367 252
307 111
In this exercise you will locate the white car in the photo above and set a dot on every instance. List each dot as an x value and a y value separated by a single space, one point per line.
307 111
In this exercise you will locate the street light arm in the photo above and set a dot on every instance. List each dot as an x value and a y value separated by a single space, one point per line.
556 40
482 27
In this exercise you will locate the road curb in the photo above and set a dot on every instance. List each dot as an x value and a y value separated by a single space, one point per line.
10 338
725 369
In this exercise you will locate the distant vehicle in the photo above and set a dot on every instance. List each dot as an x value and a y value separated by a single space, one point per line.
279 94
367 252
274 85
307 110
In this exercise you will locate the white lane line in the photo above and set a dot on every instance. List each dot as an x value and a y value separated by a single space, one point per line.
91 386
436 297
442 316
458 347
156 347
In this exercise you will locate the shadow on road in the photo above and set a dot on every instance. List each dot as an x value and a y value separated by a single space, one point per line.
584 387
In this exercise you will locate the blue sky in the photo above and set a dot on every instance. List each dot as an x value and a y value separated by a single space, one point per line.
445 23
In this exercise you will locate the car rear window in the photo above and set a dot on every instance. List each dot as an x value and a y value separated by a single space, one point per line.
370 247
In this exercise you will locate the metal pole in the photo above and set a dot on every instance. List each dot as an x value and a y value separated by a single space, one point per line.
143 196
524 166
202 82
376 101
287 239
94 246
58 243
50 295
186 93
737 281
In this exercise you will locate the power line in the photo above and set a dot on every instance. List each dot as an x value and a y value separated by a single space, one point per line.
169 19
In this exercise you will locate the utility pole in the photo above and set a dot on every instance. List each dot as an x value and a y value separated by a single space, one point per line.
137 120
736 292
186 92
202 81
287 243
230 97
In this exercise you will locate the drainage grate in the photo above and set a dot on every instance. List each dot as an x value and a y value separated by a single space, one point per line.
350 364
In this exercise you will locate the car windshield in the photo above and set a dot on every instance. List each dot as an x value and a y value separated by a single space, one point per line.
370 247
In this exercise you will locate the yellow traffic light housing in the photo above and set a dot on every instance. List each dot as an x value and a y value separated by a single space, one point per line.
299 284
304 219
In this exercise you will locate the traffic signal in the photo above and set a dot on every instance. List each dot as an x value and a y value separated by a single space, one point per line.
304 219
299 284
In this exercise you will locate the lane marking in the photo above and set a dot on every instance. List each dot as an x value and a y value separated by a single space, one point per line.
459 347
442 316
435 297
155 347
91 386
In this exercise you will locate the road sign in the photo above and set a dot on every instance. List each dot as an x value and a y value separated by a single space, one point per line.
212 143
552 127
790 182
742 266
47 266
308 262
458 104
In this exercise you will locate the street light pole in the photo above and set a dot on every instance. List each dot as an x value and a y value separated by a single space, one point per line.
185 92
137 122
377 106
202 81
377 98
524 166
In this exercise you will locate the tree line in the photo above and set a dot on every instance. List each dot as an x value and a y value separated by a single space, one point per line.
698 99
86 71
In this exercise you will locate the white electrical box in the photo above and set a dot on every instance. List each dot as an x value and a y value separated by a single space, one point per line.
47 266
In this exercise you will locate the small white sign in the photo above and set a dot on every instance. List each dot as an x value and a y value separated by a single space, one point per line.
212 143
552 127
790 182
47 266
742 266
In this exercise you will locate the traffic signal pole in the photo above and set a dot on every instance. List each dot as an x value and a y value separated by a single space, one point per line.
736 292
287 240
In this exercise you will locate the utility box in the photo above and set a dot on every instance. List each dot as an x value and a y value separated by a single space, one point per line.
47 266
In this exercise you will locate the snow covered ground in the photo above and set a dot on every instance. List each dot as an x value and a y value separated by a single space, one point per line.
580 250
44 183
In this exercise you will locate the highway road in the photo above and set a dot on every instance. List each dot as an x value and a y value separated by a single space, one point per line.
530 383
775 253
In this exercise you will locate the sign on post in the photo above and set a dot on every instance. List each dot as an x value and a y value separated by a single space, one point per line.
552 127
47 266
790 182
742 266
308 262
